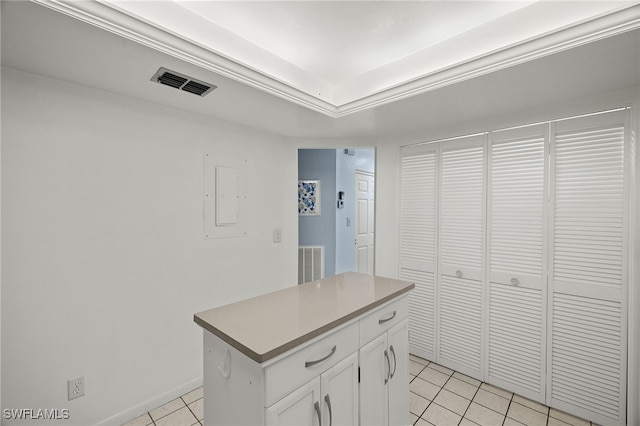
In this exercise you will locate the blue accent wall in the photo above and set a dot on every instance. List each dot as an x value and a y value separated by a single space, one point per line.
320 164
334 228
346 167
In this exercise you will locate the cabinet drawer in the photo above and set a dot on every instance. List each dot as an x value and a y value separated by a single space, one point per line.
382 319
305 363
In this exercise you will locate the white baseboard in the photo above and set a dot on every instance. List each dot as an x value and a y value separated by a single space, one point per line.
150 404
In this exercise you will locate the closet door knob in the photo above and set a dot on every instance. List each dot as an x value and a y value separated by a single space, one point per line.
459 273
515 281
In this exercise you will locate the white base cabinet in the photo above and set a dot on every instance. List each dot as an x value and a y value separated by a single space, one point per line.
384 384
301 407
356 373
331 399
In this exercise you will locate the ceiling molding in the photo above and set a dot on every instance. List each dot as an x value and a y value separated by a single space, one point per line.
619 22
124 25
121 24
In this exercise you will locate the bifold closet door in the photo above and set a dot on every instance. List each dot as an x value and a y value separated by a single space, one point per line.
516 340
461 254
588 270
418 225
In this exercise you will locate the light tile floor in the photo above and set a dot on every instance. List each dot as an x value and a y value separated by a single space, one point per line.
438 396
184 411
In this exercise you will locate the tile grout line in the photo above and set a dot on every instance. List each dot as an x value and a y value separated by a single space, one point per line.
425 409
470 402
434 397
424 367
438 393
508 406
190 410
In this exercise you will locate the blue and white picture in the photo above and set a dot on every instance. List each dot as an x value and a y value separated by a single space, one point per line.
309 197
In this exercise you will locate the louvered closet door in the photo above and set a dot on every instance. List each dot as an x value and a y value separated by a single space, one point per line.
461 254
418 243
516 343
588 274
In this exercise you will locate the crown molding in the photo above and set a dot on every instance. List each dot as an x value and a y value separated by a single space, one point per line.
124 25
121 24
621 21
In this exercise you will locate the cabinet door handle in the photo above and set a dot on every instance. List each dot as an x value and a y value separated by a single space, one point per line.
328 401
316 407
317 361
459 274
383 320
395 361
386 356
515 281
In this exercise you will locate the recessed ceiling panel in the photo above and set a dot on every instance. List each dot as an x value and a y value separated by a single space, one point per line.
337 41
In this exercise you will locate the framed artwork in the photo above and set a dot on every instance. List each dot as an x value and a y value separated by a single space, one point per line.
309 197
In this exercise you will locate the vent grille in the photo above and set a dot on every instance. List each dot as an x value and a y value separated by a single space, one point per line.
182 82
310 263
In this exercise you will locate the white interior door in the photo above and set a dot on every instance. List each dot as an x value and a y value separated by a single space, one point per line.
517 280
365 187
418 232
461 254
588 267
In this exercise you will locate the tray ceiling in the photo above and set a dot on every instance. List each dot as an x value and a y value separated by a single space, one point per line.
340 57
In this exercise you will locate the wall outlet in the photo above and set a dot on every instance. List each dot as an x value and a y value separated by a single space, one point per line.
75 388
277 235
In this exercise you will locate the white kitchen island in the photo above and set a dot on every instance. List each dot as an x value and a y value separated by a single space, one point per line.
329 352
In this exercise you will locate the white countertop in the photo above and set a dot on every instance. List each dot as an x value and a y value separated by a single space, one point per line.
266 326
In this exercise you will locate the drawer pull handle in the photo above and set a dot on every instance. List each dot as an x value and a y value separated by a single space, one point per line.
515 281
318 361
386 356
316 407
395 361
459 274
328 401
383 320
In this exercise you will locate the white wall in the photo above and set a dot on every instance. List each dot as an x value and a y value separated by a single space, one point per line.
103 258
387 210
1 405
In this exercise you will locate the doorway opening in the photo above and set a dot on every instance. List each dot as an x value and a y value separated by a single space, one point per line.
336 214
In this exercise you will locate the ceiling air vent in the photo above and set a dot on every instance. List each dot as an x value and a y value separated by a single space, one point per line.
182 82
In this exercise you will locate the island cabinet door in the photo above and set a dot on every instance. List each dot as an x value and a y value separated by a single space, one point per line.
398 339
375 366
339 386
300 408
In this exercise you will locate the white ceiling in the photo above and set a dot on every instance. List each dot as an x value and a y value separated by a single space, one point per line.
343 53
599 55
338 41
